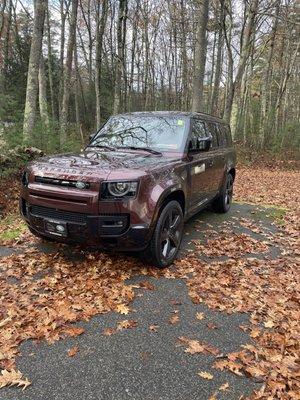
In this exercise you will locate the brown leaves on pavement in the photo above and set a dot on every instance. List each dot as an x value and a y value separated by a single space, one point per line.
43 294
232 245
268 288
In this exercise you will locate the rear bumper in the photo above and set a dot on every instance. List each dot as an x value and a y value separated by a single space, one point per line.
103 230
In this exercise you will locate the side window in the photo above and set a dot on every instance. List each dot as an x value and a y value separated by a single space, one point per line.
227 133
213 131
198 132
222 136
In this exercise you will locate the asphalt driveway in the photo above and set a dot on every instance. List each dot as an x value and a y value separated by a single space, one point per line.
146 363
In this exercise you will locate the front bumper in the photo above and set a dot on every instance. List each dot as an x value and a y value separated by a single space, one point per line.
113 230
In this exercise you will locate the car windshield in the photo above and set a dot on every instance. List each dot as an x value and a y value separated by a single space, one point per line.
160 133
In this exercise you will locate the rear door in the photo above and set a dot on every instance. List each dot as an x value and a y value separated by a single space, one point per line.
201 166
218 153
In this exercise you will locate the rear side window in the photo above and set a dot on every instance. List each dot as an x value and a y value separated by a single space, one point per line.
226 132
222 137
213 131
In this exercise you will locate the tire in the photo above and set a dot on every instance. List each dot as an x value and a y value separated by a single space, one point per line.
166 239
223 202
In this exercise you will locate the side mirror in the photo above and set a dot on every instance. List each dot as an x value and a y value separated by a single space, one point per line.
91 136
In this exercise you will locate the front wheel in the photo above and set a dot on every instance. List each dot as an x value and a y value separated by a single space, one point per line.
166 239
223 202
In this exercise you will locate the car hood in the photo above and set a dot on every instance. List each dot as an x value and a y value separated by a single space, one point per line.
101 164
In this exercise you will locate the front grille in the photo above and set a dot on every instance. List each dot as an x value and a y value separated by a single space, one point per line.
52 213
61 182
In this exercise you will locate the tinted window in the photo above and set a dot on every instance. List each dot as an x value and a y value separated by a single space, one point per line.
213 131
198 132
222 136
226 132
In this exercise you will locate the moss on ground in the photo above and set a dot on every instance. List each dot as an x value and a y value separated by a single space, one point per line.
11 228
267 211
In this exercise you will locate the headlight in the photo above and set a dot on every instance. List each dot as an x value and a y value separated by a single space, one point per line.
25 178
121 189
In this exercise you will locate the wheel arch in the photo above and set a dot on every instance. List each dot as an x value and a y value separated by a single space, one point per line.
173 193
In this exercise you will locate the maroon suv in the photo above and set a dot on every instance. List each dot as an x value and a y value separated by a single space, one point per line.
141 176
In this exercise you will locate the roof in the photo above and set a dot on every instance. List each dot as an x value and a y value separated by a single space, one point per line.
178 113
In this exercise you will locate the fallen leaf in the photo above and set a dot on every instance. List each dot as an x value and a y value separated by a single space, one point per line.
174 319
176 302
13 378
4 321
153 328
210 325
269 324
205 375
122 309
224 387
147 285
109 331
73 351
200 315
195 347
73 330
127 324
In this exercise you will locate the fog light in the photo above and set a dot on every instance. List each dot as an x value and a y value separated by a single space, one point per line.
60 228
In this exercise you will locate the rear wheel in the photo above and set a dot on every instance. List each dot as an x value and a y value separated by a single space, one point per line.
223 202
167 235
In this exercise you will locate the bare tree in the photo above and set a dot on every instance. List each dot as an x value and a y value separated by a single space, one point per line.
200 54
121 37
33 68
67 73
100 27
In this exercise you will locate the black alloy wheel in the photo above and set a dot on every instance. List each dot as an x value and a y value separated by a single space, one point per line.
228 191
223 202
167 236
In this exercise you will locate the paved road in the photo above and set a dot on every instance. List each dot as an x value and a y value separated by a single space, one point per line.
137 363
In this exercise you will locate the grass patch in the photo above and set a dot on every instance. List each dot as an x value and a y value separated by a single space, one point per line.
276 213
11 228
266 211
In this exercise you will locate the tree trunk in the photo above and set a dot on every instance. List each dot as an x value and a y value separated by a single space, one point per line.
67 73
33 68
100 22
120 55
214 108
2 23
43 105
200 55
185 83
50 69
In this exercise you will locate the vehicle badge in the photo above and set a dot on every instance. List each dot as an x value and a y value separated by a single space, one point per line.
80 185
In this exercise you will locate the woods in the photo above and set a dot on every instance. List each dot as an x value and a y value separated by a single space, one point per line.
65 66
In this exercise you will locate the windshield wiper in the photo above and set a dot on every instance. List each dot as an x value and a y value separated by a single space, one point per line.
158 153
103 146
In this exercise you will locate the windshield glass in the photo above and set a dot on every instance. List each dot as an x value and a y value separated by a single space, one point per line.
160 133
